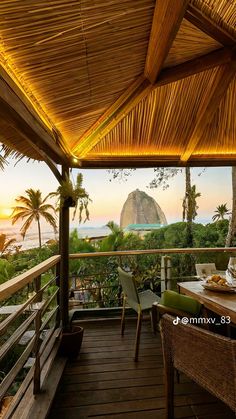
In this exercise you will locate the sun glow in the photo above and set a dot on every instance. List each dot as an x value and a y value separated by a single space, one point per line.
5 213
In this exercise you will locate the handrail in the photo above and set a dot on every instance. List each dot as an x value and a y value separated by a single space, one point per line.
8 288
186 250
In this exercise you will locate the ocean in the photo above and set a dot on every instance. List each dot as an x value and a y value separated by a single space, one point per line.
31 238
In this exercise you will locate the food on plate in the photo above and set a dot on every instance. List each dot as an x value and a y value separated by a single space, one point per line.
217 280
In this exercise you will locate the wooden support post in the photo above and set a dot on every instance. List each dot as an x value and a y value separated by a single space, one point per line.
37 287
64 265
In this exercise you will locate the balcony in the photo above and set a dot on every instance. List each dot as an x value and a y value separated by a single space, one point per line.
104 380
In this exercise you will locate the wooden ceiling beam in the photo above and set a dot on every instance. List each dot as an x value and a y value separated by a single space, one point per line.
140 89
167 19
209 105
195 66
208 26
132 96
211 160
17 109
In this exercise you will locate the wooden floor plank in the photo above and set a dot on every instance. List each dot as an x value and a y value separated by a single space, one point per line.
105 382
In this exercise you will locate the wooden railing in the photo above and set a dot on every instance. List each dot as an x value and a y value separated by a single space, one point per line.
37 308
166 279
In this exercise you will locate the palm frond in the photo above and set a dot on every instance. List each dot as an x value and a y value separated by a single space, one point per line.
26 225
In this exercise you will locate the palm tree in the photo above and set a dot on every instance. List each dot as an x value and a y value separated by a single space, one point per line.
115 238
32 208
221 211
5 244
232 222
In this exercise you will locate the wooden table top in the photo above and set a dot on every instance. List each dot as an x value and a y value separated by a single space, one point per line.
221 303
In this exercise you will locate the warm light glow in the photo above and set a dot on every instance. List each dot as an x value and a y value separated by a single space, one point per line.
5 212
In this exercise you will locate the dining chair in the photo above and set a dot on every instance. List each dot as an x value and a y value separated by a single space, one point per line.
176 304
206 357
138 301
205 269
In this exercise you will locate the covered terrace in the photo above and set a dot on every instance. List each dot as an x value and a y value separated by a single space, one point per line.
109 84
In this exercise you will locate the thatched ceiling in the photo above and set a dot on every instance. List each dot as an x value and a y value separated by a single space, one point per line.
119 83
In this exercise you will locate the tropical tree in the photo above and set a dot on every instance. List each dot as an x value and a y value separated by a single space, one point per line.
71 195
6 245
32 208
220 212
232 222
114 240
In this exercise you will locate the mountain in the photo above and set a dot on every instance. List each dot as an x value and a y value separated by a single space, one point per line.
140 208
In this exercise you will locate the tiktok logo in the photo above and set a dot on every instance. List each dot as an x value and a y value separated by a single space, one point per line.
176 320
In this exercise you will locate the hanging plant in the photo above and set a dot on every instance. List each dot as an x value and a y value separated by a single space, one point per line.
70 195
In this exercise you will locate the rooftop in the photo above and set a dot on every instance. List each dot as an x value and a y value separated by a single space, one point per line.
114 84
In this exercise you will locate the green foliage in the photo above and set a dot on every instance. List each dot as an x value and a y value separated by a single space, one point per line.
6 270
31 208
78 245
221 211
73 195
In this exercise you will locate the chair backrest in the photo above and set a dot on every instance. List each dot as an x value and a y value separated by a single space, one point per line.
206 357
205 269
129 288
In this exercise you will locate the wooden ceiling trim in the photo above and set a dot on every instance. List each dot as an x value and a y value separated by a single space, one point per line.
17 110
155 161
209 105
208 26
167 18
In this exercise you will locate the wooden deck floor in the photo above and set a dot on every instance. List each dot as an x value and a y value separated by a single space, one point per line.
105 382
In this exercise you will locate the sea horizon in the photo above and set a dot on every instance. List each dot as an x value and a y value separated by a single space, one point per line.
31 238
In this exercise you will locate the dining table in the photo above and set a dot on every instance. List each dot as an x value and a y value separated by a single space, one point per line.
221 303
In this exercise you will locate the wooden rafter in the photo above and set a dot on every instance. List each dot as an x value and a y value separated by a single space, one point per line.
206 25
209 105
19 112
136 92
195 66
167 18
140 89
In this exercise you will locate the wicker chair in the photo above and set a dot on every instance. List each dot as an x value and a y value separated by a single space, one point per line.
138 301
207 358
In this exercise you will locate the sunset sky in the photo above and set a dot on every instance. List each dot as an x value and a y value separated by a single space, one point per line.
109 197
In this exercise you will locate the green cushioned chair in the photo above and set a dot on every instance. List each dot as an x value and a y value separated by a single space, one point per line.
180 302
176 304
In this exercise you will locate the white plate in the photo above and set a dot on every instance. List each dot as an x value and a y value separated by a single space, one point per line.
218 288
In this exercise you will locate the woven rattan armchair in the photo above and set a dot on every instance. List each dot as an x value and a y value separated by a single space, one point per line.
207 358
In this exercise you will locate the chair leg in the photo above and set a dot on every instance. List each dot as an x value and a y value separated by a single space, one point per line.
123 317
154 320
138 331
169 387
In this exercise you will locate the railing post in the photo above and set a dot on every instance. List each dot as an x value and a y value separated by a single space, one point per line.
57 272
165 273
37 371
37 287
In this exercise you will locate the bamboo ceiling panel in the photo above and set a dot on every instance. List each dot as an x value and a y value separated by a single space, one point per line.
190 43
161 124
220 135
222 12
8 136
76 57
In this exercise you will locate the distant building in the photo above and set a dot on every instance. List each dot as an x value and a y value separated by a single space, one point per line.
141 213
